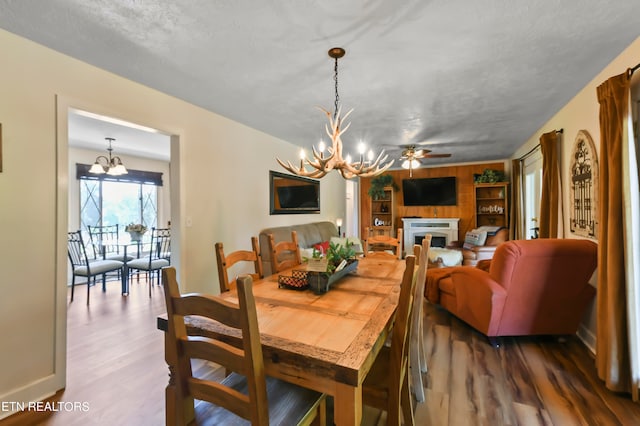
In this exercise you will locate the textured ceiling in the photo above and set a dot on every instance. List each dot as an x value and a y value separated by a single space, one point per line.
473 78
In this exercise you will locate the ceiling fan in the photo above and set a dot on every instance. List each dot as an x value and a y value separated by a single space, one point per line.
411 156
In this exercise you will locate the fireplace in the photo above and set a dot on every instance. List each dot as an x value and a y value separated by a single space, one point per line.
436 240
442 230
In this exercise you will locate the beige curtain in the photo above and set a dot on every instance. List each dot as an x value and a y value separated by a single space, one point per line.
516 221
612 340
550 198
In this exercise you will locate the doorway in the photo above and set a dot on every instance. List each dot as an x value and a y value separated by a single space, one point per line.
352 211
532 193
68 113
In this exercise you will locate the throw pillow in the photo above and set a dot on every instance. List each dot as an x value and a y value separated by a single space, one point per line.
322 247
474 238
306 253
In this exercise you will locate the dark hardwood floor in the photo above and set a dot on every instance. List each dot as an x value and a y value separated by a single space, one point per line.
526 381
116 365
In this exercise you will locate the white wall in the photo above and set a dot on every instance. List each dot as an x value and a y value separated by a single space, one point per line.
582 113
219 180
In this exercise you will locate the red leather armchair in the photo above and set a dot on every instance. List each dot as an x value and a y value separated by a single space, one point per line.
533 287
472 256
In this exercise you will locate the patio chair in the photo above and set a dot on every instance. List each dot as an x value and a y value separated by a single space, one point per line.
158 258
83 266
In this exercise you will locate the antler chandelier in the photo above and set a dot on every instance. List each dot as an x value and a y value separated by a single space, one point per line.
321 165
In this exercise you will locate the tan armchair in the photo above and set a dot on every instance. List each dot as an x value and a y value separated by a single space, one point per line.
471 256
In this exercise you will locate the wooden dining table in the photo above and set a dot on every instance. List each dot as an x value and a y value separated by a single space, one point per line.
324 342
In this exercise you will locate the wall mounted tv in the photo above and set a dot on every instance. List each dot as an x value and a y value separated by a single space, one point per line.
439 191
293 194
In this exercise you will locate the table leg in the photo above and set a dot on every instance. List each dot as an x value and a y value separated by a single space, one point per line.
125 274
125 279
347 405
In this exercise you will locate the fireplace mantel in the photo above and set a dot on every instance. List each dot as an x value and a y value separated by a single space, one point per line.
436 226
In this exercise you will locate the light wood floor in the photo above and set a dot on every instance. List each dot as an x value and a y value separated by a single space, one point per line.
116 365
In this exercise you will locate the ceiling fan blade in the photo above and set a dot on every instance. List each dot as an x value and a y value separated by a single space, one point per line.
436 156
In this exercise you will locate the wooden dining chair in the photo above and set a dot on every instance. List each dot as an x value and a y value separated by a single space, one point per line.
84 266
417 355
285 254
246 393
383 245
226 262
386 386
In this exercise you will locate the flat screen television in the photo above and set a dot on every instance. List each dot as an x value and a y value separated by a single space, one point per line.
439 191
298 197
293 194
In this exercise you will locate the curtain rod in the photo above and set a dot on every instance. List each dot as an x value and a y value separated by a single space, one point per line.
534 149
630 71
537 147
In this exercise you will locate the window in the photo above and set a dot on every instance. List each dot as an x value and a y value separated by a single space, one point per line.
532 192
132 198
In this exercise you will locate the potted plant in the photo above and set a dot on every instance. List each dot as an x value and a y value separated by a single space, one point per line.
378 184
135 230
490 176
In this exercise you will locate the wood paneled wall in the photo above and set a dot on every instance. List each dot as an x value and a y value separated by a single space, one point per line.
464 209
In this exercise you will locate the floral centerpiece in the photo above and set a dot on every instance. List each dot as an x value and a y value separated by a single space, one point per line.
135 230
322 269
329 267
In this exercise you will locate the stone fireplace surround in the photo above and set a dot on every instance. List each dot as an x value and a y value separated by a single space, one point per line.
436 226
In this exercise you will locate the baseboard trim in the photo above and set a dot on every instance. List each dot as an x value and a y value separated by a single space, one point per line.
588 338
36 391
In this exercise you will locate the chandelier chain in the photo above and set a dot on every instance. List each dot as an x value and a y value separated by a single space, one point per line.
335 79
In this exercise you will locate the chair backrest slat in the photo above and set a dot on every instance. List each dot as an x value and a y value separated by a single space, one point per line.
160 245
104 239
77 250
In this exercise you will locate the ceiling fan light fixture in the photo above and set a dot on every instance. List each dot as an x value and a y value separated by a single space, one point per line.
410 164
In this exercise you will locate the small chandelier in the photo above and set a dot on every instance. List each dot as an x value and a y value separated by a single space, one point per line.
112 166
321 165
